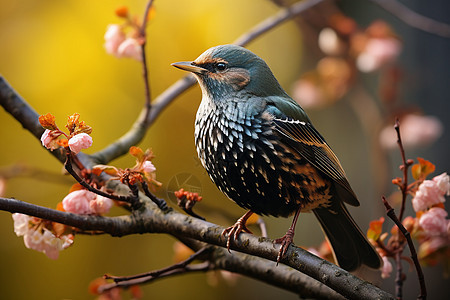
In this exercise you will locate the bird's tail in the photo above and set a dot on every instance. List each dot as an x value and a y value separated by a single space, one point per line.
351 248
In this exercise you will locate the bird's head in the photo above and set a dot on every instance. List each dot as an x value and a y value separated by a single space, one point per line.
228 70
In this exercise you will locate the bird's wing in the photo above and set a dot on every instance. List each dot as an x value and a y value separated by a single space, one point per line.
303 137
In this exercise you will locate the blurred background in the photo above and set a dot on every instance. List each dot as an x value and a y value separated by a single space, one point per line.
52 53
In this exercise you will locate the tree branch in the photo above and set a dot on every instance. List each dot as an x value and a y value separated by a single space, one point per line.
143 33
150 219
391 214
15 105
413 19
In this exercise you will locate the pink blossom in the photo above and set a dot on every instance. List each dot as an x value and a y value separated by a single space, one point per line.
427 195
434 222
80 141
21 223
378 52
148 167
416 131
78 202
45 241
114 36
52 244
443 183
100 205
40 239
49 139
32 240
130 48
387 268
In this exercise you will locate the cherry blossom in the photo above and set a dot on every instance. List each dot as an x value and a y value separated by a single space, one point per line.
79 142
148 167
39 238
78 202
434 222
427 195
100 205
114 36
49 139
130 48
443 183
21 223
387 268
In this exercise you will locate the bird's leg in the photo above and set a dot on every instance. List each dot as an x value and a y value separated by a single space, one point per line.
237 228
288 238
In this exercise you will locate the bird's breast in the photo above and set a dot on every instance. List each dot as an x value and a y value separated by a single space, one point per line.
246 159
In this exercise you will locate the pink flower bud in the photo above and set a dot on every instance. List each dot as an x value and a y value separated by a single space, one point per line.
80 141
130 48
78 202
114 36
427 195
434 222
387 268
443 183
101 205
148 167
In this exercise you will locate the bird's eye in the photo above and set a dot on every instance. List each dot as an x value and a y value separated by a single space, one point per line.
221 66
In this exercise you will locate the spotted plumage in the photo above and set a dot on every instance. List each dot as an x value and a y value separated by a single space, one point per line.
262 151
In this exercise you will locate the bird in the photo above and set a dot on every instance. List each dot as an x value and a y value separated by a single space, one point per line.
262 151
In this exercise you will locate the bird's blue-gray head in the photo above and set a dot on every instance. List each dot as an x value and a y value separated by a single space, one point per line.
228 70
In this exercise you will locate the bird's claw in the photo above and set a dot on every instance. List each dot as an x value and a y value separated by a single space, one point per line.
234 231
285 242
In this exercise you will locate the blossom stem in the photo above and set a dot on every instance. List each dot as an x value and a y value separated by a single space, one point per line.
158 201
158 273
404 167
143 35
71 171
399 280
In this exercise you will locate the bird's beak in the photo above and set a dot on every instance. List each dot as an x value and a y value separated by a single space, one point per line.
189 66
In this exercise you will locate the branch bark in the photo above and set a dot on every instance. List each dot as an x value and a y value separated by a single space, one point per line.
150 219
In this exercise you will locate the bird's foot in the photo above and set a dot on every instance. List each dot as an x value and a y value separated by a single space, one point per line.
238 227
285 242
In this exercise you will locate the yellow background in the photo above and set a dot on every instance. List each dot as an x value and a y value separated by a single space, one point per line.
52 53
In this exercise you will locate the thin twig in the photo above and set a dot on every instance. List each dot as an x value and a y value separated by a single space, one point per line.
71 171
404 167
202 267
413 19
273 21
158 201
399 277
391 214
143 34
130 280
